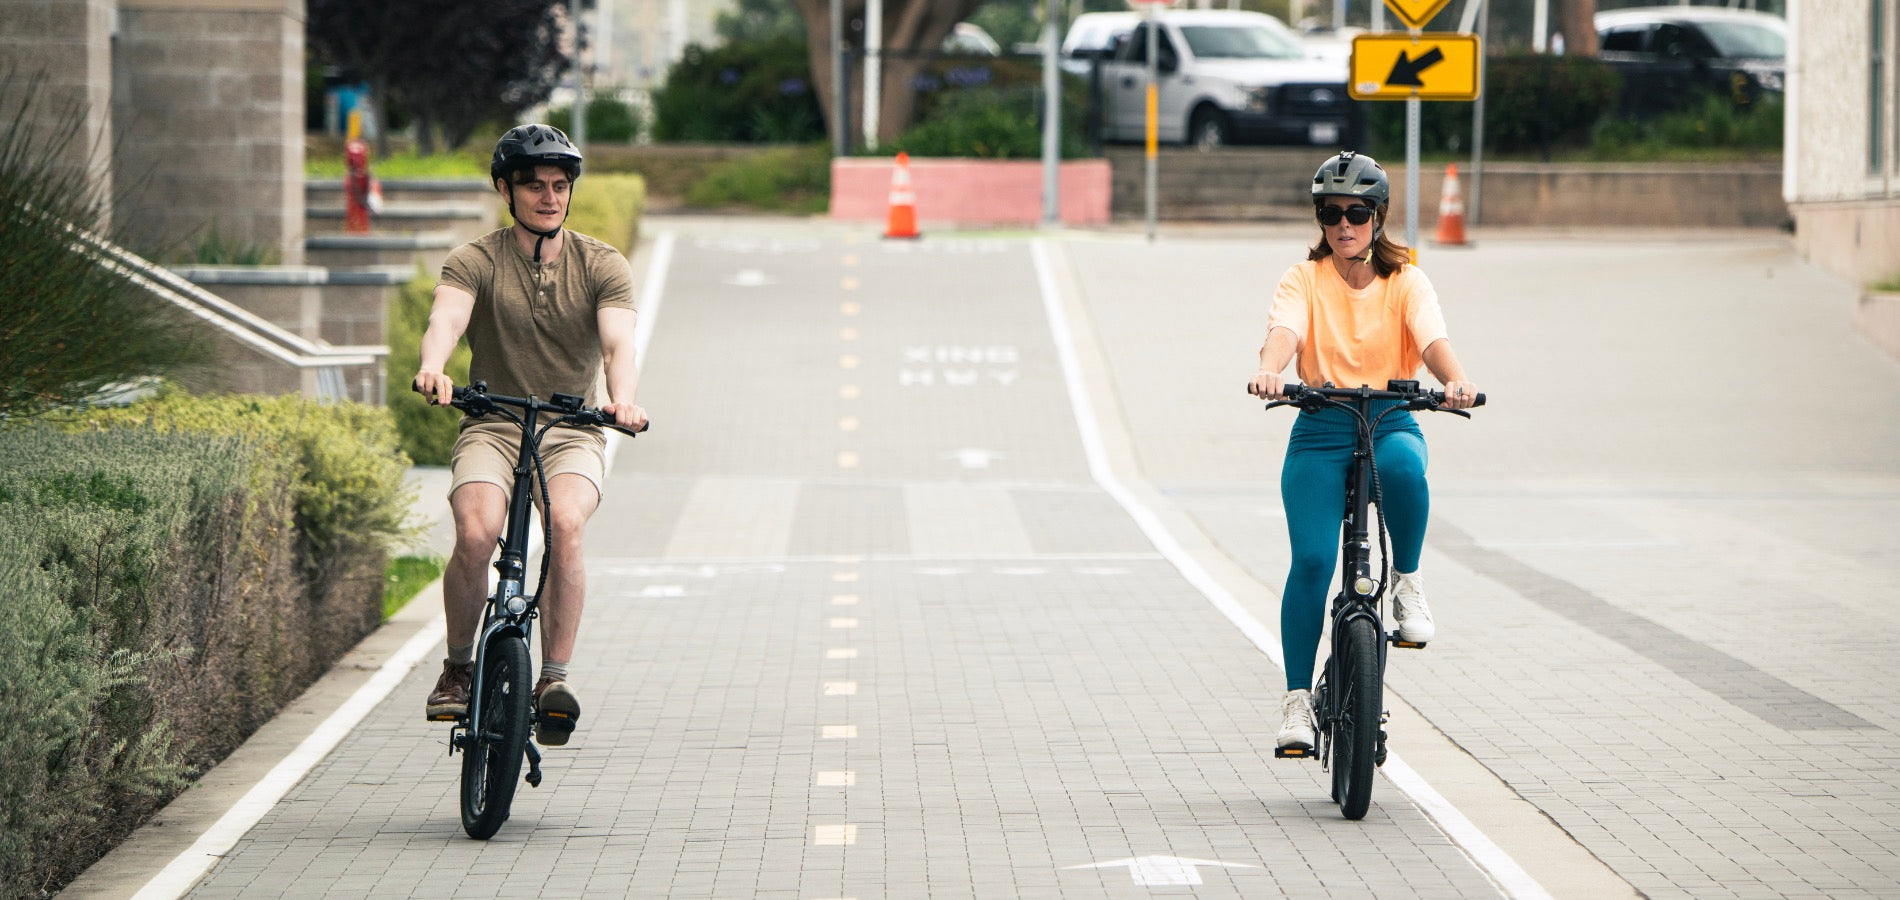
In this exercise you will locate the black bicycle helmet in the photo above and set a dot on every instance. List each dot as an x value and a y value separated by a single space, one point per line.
1352 175
534 145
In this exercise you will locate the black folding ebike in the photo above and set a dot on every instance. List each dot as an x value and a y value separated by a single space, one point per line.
493 735
1349 700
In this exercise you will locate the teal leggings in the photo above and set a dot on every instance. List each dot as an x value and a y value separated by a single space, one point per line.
1313 492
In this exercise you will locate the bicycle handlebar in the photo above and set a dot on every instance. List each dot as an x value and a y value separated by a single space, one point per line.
1298 392
475 400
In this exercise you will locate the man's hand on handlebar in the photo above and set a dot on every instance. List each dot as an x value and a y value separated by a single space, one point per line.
626 415
436 387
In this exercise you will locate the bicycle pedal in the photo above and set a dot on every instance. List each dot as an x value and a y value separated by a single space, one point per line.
1405 644
445 717
1292 752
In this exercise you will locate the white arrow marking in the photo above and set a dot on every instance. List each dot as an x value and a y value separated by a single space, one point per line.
973 457
749 278
1157 871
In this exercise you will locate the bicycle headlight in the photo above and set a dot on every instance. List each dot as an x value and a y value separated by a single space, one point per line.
516 605
1365 586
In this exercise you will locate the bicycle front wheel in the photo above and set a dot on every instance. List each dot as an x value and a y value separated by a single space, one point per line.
491 762
1356 731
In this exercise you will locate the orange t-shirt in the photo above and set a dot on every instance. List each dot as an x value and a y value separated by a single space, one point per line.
1357 337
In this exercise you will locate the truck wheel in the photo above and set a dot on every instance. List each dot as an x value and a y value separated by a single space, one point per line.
1207 129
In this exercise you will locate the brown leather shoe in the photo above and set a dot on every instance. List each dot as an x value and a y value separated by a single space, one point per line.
449 701
556 710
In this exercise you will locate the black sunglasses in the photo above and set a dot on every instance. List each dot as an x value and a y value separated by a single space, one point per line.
1356 214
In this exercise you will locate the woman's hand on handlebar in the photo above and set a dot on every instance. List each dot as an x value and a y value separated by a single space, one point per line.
1460 395
1267 385
626 415
436 387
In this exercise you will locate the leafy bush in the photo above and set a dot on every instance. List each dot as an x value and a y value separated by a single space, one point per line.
427 433
608 119
1717 123
68 327
155 617
758 91
989 109
1533 103
782 179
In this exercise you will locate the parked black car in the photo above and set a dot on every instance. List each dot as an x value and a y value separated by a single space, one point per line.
1670 57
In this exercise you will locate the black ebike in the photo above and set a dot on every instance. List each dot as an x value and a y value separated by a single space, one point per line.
493 736
1349 700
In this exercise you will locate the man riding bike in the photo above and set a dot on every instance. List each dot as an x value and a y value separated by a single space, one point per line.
545 310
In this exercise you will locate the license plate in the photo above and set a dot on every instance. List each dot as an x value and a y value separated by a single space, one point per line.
1322 133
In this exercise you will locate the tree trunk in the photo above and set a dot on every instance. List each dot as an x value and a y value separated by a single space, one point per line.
1578 24
912 31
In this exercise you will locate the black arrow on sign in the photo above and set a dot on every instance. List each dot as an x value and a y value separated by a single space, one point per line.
1406 71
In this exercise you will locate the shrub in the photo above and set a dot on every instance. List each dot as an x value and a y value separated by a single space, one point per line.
608 119
154 619
69 328
427 433
989 109
756 91
1533 103
783 179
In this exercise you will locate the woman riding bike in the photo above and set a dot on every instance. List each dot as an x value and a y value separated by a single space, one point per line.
1357 313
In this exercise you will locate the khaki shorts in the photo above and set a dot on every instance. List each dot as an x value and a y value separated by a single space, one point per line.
486 451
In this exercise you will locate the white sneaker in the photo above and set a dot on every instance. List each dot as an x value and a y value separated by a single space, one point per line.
1296 721
1414 618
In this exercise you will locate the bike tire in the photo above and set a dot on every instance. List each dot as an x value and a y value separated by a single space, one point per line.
491 763
1356 731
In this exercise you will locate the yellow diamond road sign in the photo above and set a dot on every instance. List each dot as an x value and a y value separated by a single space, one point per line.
1416 13
1400 66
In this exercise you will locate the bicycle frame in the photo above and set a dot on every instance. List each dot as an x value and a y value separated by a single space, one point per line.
1358 598
510 611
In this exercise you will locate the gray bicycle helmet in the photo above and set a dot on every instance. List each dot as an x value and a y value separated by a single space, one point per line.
534 145
1352 175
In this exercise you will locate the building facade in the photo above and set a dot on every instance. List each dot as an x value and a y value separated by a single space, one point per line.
1841 173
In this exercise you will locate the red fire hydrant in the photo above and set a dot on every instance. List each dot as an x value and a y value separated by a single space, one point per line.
361 194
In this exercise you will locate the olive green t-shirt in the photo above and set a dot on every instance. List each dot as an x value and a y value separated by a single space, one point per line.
534 329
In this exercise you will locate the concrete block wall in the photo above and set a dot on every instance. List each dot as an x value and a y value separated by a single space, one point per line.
208 104
68 44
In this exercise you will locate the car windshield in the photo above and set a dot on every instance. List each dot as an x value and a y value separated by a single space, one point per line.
1240 42
1743 40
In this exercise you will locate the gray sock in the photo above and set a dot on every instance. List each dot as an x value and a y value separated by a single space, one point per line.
554 670
462 655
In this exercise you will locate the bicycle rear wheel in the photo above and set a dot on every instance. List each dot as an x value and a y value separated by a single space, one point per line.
1355 737
491 762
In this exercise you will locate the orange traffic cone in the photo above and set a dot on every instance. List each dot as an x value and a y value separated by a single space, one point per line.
1451 211
902 222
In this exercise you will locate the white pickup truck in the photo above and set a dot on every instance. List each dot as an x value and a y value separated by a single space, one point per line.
1224 77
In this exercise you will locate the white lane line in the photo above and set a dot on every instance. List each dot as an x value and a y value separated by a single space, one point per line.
1497 864
188 868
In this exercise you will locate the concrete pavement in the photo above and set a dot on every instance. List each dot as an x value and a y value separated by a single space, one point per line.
875 613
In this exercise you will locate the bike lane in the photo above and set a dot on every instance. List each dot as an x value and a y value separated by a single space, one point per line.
862 622
1639 551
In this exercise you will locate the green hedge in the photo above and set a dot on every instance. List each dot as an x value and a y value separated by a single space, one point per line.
756 91
177 572
427 433
1533 103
